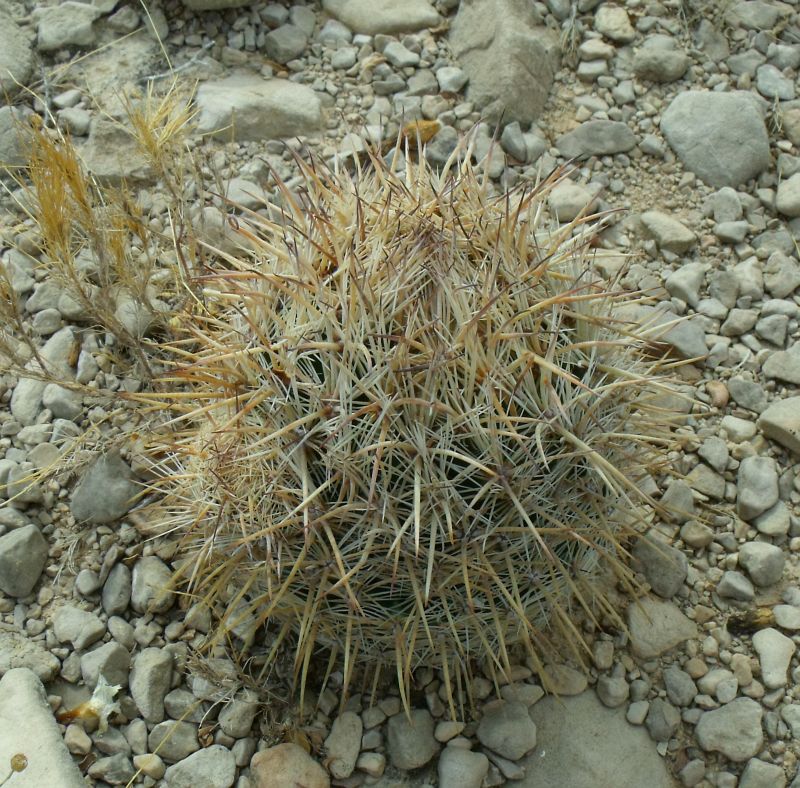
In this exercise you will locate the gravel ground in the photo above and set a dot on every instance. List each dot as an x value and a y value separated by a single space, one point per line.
684 116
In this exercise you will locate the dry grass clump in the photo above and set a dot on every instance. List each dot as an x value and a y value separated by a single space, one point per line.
401 427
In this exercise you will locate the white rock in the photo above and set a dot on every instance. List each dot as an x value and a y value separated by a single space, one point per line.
249 108
775 652
383 16
29 729
343 744
460 768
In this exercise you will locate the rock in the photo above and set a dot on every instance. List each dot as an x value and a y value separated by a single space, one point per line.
611 753
18 651
507 729
150 682
116 769
150 589
662 720
30 730
61 402
748 394
344 744
460 768
613 22
568 199
510 61
787 617
213 5
213 767
112 661
451 79
383 16
681 689
23 555
656 627
787 198
612 691
664 567
399 55
781 275
734 585
562 680
116 594
287 764
757 485
775 652
105 492
26 401
760 774
772 84
236 717
596 138
65 25
764 562
774 522
784 365
16 56
720 137
410 742
668 233
76 626
658 60
686 282
173 741
285 43
249 109
733 730
113 156
781 422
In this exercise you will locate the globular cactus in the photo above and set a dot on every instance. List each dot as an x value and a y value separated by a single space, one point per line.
412 431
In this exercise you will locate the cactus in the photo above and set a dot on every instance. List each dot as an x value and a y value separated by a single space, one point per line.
401 425
415 426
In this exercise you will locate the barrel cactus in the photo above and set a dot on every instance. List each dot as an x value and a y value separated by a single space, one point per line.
411 430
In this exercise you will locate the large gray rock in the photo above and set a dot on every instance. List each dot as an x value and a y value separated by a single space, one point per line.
757 485
784 365
507 729
106 492
659 60
383 16
248 108
344 744
733 730
510 61
664 567
720 137
16 55
656 626
781 422
150 682
67 24
597 138
23 555
410 742
583 744
460 768
213 767
29 730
